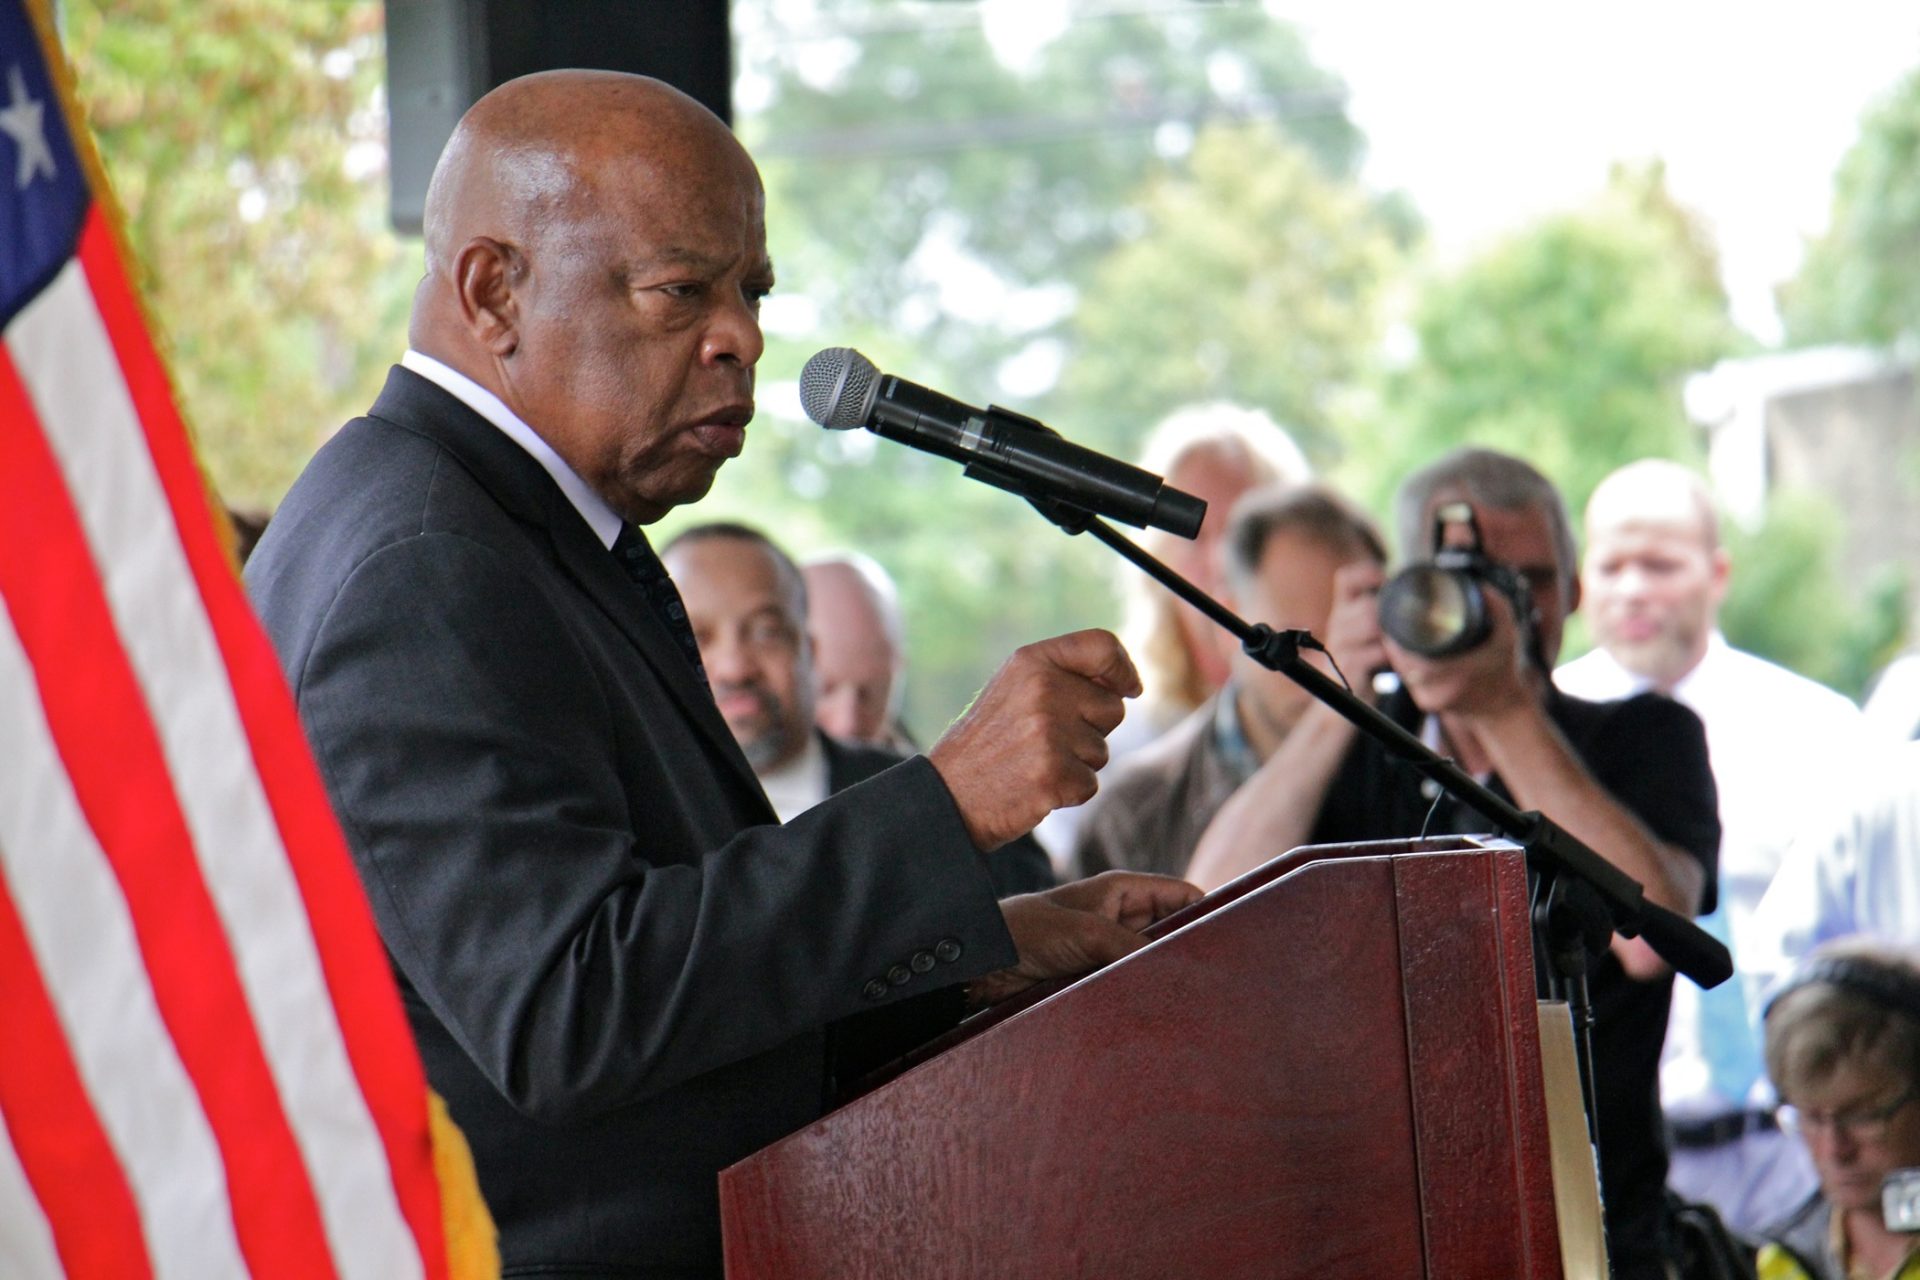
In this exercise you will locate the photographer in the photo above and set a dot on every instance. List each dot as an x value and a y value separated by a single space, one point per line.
1630 779
1843 1045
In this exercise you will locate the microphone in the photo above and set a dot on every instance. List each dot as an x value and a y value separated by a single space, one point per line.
841 389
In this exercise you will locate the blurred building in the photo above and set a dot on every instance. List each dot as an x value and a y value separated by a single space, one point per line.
1842 422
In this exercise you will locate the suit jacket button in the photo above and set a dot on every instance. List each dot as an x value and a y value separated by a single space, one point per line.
947 950
875 989
899 974
922 961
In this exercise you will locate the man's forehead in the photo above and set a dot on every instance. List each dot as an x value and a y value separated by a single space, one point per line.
1663 528
1520 536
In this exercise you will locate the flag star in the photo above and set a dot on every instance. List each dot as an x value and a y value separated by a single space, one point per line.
23 121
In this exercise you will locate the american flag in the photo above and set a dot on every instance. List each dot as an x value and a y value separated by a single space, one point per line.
204 1066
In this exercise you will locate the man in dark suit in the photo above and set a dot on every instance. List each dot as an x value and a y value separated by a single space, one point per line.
619 968
748 604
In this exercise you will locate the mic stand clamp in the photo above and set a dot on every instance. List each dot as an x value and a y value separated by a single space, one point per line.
1570 926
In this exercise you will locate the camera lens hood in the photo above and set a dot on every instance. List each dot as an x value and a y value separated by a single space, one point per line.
1434 609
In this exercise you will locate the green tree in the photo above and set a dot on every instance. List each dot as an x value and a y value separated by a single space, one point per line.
1565 344
245 142
1256 278
900 150
1787 603
949 213
1860 281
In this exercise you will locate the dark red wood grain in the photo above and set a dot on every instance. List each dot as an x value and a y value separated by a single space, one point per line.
1321 1075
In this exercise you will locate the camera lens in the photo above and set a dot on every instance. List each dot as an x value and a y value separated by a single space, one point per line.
1433 610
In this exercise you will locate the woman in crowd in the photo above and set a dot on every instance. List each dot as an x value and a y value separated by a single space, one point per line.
1843 1048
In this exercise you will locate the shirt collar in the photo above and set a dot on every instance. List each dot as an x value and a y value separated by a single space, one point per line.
601 518
800 783
1716 646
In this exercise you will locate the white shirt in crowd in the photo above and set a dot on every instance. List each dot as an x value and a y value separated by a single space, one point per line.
1857 872
1780 745
800 783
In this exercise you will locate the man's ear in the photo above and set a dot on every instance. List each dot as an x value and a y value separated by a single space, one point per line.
485 274
1720 572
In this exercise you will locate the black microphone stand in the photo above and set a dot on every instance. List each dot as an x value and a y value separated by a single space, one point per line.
1579 898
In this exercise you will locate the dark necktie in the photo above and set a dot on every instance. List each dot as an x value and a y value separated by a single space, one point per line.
636 557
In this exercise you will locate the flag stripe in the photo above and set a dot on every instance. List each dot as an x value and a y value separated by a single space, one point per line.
100 724
27 1251
81 938
378 1040
63 1153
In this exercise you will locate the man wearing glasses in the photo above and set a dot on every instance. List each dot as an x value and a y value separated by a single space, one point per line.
1843 1046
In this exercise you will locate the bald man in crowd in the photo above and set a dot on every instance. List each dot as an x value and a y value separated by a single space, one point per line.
621 970
859 649
1654 577
750 608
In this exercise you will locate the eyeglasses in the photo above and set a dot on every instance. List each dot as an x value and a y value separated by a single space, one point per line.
1864 1124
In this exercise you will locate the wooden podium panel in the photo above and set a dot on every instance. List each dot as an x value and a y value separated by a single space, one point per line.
1334 1072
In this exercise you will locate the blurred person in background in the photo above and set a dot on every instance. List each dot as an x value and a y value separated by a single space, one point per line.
1654 578
1856 871
748 605
1293 554
1843 1044
859 650
248 524
1893 705
1217 452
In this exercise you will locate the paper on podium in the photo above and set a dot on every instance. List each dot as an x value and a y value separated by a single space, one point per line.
1576 1177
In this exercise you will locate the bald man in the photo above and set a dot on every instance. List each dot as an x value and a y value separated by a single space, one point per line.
1654 577
859 649
622 972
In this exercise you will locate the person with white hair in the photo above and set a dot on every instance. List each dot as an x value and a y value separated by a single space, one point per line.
1218 452
859 649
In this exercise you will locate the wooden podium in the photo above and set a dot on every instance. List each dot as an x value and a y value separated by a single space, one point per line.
1329 1068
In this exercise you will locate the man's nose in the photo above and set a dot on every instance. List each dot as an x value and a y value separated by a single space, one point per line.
1631 581
734 337
729 661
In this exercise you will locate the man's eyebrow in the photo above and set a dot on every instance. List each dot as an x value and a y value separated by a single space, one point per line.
677 256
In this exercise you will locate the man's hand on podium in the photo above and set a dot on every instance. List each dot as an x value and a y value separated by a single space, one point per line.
1078 927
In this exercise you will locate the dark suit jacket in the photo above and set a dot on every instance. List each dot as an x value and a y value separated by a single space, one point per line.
618 968
1019 866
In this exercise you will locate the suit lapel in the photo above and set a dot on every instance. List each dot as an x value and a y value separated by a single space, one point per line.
600 576
523 487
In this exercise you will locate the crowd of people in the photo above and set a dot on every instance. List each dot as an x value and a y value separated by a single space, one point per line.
658 862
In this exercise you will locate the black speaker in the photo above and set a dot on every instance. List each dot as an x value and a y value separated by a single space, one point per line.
442 55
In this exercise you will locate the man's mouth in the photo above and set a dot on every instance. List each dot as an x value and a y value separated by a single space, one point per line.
723 433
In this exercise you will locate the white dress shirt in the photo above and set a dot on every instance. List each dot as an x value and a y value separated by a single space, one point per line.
800 783
601 518
1780 745
1857 872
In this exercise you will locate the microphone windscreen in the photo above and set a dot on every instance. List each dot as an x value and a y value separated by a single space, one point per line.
836 387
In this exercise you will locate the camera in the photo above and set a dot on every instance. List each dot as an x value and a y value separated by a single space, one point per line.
1438 607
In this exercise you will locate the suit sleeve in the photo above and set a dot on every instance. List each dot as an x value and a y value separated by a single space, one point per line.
554 864
1020 866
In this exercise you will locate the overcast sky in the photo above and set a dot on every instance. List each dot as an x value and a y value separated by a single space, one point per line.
1491 112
